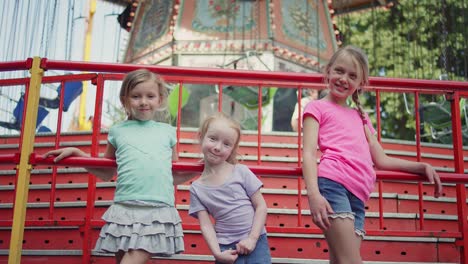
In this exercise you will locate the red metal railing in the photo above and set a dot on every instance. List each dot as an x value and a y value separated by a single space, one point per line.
102 73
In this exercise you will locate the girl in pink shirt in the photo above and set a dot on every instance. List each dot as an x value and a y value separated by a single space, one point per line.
338 188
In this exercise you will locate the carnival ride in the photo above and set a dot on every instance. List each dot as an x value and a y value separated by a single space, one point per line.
71 92
64 203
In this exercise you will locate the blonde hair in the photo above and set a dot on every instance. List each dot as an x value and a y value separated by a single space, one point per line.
132 79
360 59
232 124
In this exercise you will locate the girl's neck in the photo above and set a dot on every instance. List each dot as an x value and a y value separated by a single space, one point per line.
217 174
135 119
336 100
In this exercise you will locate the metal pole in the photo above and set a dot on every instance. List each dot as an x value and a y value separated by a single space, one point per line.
28 133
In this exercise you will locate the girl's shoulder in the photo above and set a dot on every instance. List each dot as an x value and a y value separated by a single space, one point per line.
316 104
150 123
323 104
195 183
165 125
243 171
168 128
241 167
119 125
135 124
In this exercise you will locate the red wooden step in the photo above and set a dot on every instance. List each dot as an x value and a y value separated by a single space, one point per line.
275 198
300 246
275 218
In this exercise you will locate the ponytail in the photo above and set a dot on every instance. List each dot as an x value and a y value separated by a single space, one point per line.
356 101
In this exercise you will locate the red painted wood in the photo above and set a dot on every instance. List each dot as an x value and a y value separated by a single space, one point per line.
37 239
311 247
316 247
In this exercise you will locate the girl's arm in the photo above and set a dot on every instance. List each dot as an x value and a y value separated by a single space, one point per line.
247 245
384 162
207 229
103 173
294 118
180 177
319 207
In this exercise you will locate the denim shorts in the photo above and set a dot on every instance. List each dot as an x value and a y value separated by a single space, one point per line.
344 203
260 255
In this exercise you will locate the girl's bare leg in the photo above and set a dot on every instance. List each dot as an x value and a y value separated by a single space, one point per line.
343 242
118 256
135 257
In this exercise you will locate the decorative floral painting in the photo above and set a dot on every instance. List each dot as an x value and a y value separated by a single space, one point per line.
304 25
151 25
220 16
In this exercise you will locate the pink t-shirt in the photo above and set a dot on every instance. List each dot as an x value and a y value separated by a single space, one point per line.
346 157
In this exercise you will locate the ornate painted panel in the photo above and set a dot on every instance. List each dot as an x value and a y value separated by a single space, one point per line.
222 20
151 27
296 30
304 25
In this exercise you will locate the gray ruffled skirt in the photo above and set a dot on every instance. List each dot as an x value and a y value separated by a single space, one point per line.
157 230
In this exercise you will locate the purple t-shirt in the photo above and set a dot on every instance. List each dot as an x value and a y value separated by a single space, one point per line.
346 157
229 204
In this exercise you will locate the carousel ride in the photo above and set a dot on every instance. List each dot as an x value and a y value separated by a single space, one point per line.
296 36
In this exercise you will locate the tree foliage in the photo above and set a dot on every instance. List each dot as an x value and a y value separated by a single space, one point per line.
410 39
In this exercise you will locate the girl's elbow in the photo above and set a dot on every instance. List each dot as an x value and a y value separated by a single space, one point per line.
378 164
261 208
383 164
204 228
107 175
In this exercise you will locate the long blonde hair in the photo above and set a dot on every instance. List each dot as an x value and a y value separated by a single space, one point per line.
132 79
232 124
360 59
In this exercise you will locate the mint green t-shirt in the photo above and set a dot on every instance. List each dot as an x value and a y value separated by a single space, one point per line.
144 161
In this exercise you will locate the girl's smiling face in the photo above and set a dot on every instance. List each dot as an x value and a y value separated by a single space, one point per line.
344 78
144 100
219 142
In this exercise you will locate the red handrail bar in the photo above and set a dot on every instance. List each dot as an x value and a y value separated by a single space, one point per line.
16 65
14 81
91 162
36 159
394 84
9 158
69 77
180 71
244 74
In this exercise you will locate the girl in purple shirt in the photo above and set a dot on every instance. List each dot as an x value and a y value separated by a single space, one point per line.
143 221
230 193
338 188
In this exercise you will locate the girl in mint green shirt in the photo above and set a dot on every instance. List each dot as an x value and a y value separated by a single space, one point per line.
143 221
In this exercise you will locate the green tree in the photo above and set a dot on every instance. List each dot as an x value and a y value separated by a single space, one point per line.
411 39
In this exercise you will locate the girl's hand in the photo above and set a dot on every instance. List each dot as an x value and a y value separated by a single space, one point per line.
246 246
65 152
433 178
319 210
228 256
